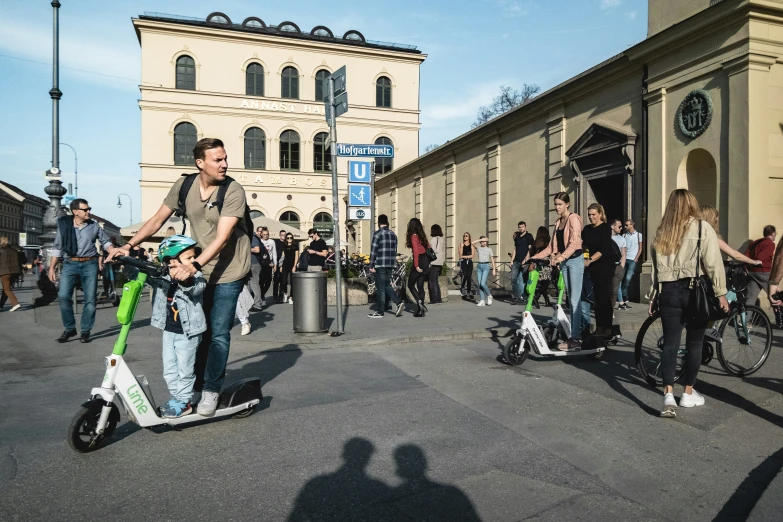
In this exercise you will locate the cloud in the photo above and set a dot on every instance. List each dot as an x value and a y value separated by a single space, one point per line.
80 54
462 106
631 15
609 4
511 8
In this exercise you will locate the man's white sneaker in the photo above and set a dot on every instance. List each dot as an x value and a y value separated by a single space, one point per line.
694 399
15 308
489 301
208 404
481 303
669 406
290 300
245 329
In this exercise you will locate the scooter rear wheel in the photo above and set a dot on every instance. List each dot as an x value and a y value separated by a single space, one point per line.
516 350
245 413
81 432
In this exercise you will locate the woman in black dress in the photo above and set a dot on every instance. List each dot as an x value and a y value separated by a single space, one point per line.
597 240
290 261
467 252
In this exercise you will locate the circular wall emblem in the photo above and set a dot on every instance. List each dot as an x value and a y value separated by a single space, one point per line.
360 214
695 113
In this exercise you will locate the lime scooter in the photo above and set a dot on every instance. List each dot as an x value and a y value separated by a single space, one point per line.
543 340
97 418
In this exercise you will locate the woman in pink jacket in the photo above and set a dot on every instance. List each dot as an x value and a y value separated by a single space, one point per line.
565 249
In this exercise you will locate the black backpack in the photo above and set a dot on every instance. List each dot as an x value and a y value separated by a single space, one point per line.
221 194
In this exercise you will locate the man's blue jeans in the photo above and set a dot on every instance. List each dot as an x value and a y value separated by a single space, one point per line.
518 280
383 290
622 292
573 271
220 304
87 272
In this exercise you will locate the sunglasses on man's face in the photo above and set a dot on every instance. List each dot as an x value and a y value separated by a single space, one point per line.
88 209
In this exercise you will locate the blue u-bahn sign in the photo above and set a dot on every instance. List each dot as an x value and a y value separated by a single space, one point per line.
365 151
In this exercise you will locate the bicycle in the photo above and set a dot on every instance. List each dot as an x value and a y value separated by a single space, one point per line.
742 342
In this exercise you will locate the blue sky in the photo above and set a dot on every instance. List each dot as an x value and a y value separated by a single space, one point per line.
473 47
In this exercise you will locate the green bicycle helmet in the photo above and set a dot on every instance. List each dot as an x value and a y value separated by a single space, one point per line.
173 246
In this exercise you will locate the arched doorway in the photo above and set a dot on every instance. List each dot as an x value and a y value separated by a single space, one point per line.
698 174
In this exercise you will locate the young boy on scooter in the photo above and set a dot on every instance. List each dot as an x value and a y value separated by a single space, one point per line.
176 309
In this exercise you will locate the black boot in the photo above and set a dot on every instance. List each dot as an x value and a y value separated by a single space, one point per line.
423 306
419 310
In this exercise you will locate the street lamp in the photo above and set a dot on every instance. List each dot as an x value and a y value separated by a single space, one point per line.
75 169
119 205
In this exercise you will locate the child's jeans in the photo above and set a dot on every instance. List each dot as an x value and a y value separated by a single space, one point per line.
179 358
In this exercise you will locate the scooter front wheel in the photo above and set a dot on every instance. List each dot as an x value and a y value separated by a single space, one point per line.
516 350
82 435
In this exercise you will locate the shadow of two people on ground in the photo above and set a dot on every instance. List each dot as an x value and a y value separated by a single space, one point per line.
351 494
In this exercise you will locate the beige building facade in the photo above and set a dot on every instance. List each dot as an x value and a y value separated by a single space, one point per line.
698 104
258 87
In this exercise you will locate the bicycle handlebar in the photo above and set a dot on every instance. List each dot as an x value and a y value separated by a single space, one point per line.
151 269
540 262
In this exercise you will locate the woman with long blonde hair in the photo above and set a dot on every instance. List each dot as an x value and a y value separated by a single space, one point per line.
674 268
711 216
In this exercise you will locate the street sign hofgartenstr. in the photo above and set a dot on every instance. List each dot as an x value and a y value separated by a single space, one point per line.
358 195
358 214
365 151
359 171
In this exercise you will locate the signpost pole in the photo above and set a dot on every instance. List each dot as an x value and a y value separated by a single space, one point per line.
336 212
372 200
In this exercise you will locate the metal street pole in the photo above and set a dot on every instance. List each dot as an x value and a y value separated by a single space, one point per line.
55 189
336 211
75 169
119 204
372 200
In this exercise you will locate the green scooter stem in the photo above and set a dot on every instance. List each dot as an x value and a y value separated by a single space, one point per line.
121 344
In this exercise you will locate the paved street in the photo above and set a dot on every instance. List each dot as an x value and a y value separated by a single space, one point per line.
370 428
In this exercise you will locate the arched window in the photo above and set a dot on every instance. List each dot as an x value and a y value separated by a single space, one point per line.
323 223
322 155
254 80
322 85
289 150
290 83
383 92
256 214
186 73
383 165
290 218
185 138
255 148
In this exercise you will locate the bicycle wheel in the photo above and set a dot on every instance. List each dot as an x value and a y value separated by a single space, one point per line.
742 354
649 350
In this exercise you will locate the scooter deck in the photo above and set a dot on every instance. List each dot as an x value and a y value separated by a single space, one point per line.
560 353
195 417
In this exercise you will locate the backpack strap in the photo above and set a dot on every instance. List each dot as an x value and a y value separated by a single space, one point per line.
184 190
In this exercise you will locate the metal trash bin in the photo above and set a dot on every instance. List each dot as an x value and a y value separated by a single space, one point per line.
309 290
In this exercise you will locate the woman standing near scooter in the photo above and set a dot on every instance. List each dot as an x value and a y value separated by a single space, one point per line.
597 240
683 243
466 266
566 250
416 240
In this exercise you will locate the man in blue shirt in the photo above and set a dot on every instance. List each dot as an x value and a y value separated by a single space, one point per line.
383 259
75 243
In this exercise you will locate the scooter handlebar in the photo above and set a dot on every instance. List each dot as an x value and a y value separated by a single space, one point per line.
151 269
539 262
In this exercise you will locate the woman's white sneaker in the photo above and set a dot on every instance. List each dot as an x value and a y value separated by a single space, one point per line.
489 301
694 399
669 406
245 329
481 303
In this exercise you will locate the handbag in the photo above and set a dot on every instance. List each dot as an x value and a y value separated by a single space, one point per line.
431 253
703 306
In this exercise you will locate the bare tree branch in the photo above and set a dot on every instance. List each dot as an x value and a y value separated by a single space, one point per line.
507 99
431 146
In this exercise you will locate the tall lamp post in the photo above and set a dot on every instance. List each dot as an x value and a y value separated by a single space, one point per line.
55 189
119 205
75 169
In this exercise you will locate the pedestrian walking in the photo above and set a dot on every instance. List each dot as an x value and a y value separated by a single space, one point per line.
523 241
711 216
244 304
683 243
9 267
177 309
22 259
75 243
316 252
597 241
545 272
258 257
565 249
268 267
436 266
383 259
633 249
775 276
760 250
485 258
219 219
290 260
619 269
468 252
277 293
416 240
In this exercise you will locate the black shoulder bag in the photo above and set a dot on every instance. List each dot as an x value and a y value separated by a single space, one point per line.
703 306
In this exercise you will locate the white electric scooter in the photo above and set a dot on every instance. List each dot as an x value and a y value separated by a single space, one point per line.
97 418
543 340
